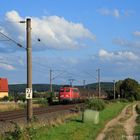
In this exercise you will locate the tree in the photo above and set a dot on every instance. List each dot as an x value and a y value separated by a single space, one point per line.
118 87
129 89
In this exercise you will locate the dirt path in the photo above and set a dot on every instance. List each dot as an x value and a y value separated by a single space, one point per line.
128 125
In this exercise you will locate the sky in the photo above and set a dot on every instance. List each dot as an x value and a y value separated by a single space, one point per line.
72 38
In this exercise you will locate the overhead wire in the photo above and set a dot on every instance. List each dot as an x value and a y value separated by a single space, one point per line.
41 65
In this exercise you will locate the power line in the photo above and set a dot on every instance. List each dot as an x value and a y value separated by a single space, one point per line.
10 39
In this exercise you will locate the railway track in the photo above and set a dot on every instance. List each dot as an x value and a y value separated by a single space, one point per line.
12 115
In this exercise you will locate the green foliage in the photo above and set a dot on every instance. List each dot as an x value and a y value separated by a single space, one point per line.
15 98
118 85
74 130
123 100
137 95
95 104
22 105
71 130
10 98
5 98
138 108
105 86
22 98
14 135
137 130
129 88
42 101
34 119
17 88
30 132
138 119
131 98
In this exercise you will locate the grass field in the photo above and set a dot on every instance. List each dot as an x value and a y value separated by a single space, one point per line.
11 106
74 129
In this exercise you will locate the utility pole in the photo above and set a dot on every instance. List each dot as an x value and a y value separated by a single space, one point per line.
71 81
29 69
84 83
99 86
114 89
50 80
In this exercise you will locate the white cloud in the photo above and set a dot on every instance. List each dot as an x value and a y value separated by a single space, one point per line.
115 12
128 12
11 61
54 32
126 55
124 42
136 33
6 66
107 12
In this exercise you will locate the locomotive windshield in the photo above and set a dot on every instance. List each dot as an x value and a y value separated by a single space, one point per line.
75 90
68 90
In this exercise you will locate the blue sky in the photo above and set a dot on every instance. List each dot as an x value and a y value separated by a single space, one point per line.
77 38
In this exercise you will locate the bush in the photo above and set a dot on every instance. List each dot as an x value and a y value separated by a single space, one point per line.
14 135
138 119
22 105
30 132
22 98
123 100
5 98
95 104
137 96
131 98
138 108
10 98
42 101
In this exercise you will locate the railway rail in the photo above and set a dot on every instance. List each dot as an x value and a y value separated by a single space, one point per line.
12 115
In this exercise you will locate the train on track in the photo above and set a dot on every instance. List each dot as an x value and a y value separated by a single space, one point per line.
69 94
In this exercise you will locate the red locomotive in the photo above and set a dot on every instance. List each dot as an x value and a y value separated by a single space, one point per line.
68 93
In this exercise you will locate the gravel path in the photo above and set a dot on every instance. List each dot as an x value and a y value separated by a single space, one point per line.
128 125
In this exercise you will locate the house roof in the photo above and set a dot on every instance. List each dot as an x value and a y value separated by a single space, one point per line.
3 85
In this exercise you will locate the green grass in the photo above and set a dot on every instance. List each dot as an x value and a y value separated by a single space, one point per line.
137 128
137 131
76 130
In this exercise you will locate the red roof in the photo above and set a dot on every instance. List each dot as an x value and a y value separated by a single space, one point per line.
3 85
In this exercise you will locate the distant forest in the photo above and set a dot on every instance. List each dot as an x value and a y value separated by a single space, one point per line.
19 88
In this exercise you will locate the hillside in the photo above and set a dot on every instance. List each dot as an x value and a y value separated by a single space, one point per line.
45 87
104 85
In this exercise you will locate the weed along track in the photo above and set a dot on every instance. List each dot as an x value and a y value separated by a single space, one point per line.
13 115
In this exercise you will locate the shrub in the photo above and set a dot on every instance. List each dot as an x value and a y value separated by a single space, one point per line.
123 100
138 108
14 135
30 132
5 98
22 105
131 98
95 104
42 101
138 119
11 98
22 98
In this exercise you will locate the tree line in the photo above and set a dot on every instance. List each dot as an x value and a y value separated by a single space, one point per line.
128 89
